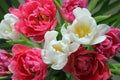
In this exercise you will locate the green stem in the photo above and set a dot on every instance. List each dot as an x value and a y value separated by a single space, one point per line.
57 3
58 28
25 41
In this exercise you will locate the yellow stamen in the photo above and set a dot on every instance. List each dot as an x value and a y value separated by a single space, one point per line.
44 17
82 30
58 48
9 29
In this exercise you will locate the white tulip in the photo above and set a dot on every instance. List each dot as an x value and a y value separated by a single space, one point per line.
84 29
55 52
7 30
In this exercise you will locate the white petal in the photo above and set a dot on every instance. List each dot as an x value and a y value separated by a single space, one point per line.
83 20
81 12
102 29
47 57
63 30
61 60
73 47
8 15
10 69
49 36
85 40
98 39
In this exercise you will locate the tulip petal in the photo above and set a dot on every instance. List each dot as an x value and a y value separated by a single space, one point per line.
98 39
18 48
81 12
102 29
49 36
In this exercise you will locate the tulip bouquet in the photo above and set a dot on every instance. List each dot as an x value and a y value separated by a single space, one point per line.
54 40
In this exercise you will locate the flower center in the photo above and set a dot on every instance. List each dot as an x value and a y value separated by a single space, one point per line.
82 30
44 17
37 19
58 48
8 30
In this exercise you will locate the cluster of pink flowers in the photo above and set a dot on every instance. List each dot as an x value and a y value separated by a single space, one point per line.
36 18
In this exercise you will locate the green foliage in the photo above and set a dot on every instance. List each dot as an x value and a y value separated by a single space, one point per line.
5 5
108 9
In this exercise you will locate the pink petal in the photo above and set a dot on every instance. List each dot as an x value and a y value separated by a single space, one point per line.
18 48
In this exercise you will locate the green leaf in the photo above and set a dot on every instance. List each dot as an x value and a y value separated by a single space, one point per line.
117 58
101 18
4 6
111 19
1 15
92 4
117 65
114 68
104 3
89 47
55 75
5 77
70 76
116 23
118 26
111 65
108 8
15 3
116 72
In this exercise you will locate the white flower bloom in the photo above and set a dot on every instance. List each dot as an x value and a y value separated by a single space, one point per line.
67 38
84 29
7 30
55 52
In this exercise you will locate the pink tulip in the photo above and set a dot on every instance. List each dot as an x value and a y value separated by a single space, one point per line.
36 18
27 63
87 65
